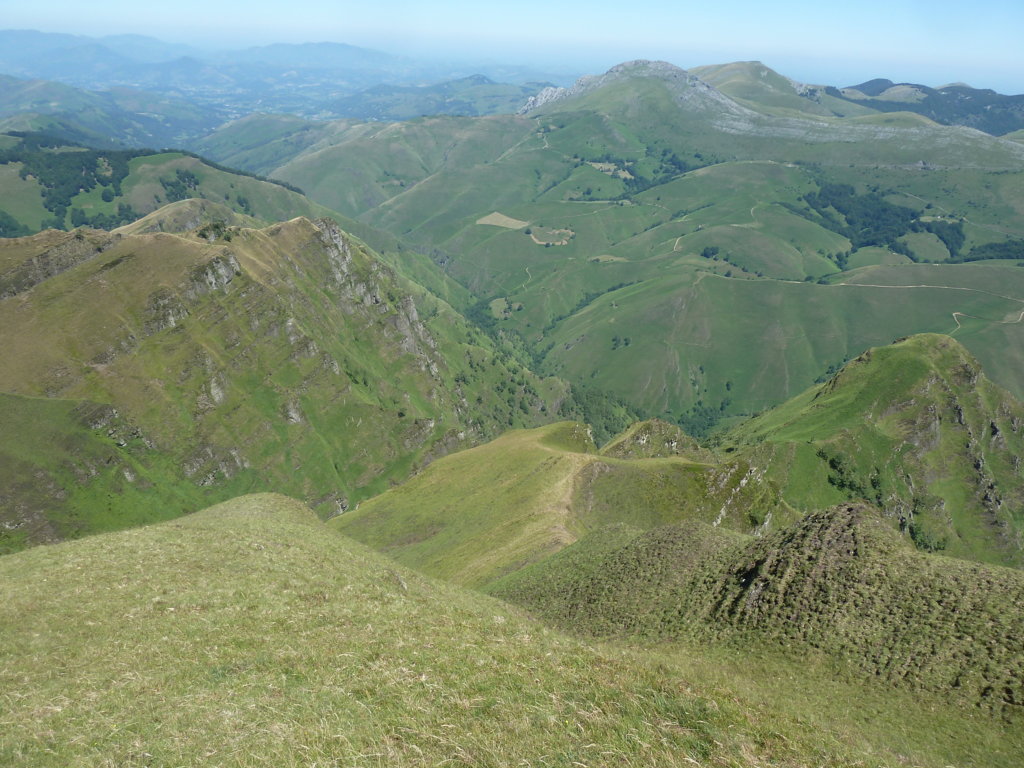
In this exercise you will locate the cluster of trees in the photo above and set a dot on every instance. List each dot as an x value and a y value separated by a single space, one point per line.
865 219
64 170
700 419
1010 249
181 186
11 227
869 219
606 414
842 476
125 214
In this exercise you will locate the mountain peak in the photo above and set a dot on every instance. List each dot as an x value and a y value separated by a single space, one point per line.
685 87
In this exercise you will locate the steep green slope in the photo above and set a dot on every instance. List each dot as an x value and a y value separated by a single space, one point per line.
835 582
68 466
247 635
915 428
478 514
259 143
289 357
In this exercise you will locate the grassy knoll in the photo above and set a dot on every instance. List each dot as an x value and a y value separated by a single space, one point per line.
248 635
835 582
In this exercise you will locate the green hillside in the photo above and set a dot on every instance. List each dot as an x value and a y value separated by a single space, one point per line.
620 366
627 221
247 635
231 359
915 428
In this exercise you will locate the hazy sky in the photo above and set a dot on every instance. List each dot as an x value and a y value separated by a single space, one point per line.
928 41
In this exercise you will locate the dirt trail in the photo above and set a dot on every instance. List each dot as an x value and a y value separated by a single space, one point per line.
958 315
562 496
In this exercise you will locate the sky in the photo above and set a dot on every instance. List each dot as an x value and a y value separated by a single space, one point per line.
933 42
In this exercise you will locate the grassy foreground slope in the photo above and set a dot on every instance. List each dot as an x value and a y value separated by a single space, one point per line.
248 635
234 359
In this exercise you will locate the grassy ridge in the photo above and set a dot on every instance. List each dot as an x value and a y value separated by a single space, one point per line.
475 515
915 428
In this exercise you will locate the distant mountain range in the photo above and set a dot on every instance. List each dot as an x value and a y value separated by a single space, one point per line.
305 79
339 80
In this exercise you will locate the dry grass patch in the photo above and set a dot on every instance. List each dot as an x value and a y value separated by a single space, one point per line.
501 220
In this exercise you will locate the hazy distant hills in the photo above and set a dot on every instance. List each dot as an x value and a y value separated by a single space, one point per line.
340 80
109 118
306 79
470 96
